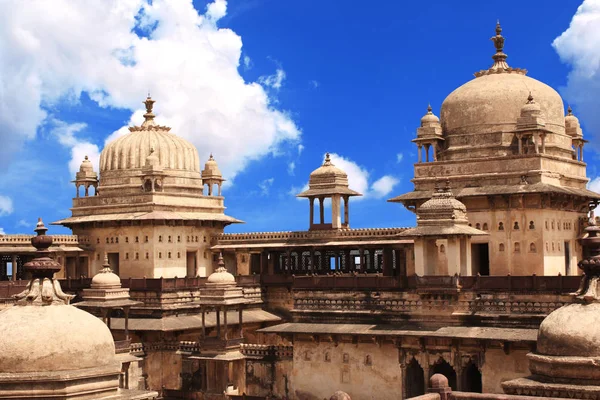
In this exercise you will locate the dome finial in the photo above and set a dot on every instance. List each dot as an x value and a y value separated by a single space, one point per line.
149 116
499 57
569 110
85 158
429 109
211 158
327 159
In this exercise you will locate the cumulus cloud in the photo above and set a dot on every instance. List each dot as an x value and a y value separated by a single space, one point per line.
66 135
23 223
117 51
578 47
6 205
247 62
383 186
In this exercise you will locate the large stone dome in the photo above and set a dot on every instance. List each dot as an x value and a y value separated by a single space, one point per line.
130 151
53 338
493 102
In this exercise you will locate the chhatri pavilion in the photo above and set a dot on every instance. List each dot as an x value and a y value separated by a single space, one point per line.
483 295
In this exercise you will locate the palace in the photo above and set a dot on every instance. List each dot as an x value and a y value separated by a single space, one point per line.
483 295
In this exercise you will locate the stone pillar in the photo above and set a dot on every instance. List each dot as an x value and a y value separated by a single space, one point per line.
77 188
321 210
363 266
581 152
218 311
288 258
225 335
241 321
543 143
427 153
520 141
336 218
420 250
535 142
388 269
346 213
312 211
419 152
434 151
453 256
13 261
203 322
466 269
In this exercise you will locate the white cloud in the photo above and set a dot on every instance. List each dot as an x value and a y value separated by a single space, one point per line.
315 84
291 168
247 62
274 81
2 231
6 205
184 59
578 46
399 157
594 185
300 149
383 186
294 190
265 186
67 136
358 177
23 223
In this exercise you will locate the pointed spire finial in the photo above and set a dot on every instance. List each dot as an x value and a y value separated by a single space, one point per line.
569 110
429 109
148 116
327 159
85 158
211 158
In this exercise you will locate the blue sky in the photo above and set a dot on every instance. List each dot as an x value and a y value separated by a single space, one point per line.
346 77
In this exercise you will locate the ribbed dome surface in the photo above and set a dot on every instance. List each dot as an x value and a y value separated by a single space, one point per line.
493 102
130 151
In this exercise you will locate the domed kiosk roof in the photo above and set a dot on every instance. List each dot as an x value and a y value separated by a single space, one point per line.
130 151
328 180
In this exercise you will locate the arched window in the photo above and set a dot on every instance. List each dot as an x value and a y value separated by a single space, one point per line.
558 246
147 256
485 226
179 238
477 226
368 360
127 256
98 241
501 226
169 255
546 225
159 254
160 238
501 247
531 225
169 239
137 239
547 248
552 246
137 256
552 224
442 248
517 247
516 226
470 224
327 357
126 239
178 255
532 247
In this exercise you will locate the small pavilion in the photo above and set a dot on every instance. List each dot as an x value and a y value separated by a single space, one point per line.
329 182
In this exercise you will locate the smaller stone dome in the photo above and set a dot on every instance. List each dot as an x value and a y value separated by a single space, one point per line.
328 180
438 381
106 278
211 170
572 126
429 118
339 395
152 160
221 276
531 108
442 206
86 165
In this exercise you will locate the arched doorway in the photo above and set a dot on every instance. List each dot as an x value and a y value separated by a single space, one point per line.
415 379
471 379
442 367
